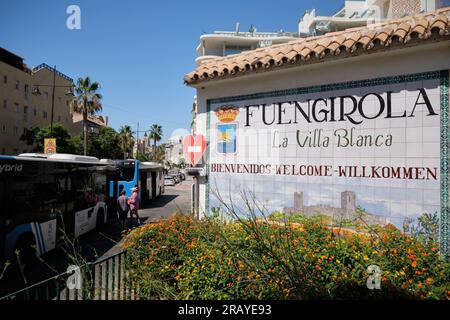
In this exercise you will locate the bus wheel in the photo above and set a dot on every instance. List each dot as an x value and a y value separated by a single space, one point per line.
100 218
26 250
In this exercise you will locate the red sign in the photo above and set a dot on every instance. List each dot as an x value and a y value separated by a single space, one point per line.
194 147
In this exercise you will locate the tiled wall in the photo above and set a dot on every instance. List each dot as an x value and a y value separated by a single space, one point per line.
416 143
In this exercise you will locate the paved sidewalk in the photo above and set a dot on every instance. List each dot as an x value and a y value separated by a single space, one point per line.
175 199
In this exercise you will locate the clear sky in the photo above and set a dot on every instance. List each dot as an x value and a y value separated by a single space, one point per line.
138 50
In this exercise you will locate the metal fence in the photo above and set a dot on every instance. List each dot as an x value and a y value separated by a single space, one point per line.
105 279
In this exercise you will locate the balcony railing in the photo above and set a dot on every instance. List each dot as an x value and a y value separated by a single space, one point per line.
257 34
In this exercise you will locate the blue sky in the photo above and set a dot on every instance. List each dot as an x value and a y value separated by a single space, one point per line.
137 50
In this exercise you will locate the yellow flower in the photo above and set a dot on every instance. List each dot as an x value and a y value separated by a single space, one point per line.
366 258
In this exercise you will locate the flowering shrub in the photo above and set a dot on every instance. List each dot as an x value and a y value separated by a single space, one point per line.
186 259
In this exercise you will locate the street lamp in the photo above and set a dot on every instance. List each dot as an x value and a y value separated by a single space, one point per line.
37 92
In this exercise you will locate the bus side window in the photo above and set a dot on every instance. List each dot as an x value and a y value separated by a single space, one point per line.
81 191
100 186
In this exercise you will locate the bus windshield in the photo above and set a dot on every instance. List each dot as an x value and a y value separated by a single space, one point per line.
126 174
126 170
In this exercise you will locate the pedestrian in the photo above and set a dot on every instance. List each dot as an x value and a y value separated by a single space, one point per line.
133 201
121 188
122 209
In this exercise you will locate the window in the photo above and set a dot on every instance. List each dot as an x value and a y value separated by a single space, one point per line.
34 111
45 95
25 113
5 104
3 128
5 79
25 92
16 130
17 84
16 107
229 49
44 114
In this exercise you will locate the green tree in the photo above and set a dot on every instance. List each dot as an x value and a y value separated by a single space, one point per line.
87 102
126 140
64 142
105 144
158 154
141 157
29 135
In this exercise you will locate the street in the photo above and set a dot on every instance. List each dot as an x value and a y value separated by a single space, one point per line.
98 243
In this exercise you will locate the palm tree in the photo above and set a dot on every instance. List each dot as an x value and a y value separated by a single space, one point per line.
158 155
155 134
126 140
86 102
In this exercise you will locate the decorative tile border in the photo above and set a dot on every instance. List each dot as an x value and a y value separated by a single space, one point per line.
444 222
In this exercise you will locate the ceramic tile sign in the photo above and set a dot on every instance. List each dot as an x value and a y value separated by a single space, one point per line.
368 149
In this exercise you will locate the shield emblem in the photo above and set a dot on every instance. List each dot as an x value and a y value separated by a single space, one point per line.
226 138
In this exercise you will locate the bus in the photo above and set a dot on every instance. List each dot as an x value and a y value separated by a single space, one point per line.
148 176
43 197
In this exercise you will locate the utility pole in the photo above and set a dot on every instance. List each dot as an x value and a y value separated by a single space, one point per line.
53 101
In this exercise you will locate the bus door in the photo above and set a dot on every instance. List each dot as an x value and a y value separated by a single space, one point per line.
112 192
85 203
143 186
154 184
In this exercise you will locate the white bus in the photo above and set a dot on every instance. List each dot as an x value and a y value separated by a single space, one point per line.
43 196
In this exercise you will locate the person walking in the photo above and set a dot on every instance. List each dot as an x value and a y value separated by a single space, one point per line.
123 208
133 201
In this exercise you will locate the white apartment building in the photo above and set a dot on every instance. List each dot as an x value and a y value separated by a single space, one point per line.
224 43
174 150
358 13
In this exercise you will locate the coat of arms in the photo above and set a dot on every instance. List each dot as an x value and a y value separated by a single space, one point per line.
226 129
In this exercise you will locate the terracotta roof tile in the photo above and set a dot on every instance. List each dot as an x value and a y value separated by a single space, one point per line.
355 41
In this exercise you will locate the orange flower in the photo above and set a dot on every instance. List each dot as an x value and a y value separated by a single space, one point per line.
414 264
420 285
429 281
